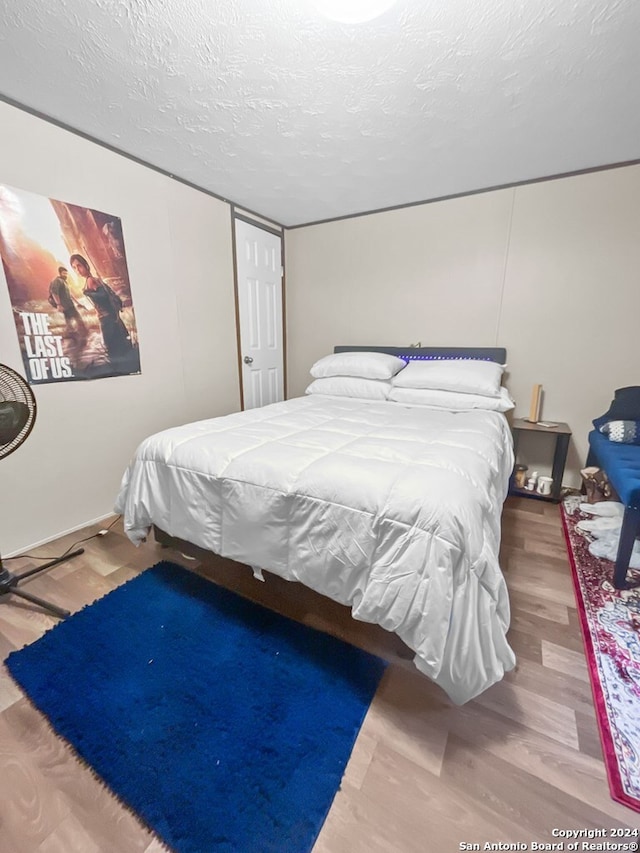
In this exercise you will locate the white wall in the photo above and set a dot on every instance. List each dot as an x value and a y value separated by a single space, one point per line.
178 244
549 270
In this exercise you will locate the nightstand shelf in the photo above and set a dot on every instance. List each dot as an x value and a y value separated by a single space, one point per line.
562 433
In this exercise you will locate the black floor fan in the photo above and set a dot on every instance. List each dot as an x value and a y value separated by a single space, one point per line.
17 417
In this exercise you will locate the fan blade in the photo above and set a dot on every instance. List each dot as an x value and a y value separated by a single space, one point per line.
13 417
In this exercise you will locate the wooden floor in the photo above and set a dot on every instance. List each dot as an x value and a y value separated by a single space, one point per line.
522 759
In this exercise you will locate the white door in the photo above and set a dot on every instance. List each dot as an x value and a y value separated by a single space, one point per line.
259 270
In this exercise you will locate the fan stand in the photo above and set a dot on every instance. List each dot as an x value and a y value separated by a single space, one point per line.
9 583
17 416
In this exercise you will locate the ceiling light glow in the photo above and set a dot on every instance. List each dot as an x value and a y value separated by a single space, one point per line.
352 11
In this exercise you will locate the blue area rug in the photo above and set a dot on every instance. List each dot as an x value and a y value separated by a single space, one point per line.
222 725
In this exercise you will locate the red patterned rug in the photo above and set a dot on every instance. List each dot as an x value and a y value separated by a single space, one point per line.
610 620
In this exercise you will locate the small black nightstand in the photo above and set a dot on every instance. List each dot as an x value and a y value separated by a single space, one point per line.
562 434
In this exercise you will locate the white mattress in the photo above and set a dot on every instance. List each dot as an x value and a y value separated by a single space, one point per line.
390 509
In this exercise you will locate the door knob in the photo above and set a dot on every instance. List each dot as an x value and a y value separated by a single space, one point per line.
248 359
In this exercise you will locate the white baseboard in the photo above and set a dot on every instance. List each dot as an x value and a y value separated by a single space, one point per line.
28 548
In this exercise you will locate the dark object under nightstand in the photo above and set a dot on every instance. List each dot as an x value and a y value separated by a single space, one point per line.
562 434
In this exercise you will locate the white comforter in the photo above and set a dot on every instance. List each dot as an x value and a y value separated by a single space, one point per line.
393 510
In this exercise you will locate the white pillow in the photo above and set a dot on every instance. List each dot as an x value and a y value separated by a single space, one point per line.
367 365
351 386
465 376
452 400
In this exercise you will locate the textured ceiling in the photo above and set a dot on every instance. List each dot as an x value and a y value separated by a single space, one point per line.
269 105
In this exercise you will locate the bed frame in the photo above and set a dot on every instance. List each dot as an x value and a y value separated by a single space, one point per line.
289 598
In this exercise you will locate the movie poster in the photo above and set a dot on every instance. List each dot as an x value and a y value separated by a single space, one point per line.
66 270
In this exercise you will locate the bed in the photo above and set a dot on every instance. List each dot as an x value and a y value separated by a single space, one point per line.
389 508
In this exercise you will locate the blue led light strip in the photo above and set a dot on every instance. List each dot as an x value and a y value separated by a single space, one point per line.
408 357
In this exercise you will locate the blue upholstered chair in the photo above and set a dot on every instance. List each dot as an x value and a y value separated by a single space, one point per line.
622 465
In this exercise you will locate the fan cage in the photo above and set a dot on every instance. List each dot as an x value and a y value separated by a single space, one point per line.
15 389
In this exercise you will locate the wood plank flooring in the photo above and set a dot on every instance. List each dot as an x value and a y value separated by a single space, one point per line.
512 765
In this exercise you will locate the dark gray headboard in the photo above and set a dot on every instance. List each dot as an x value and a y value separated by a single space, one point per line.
498 354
